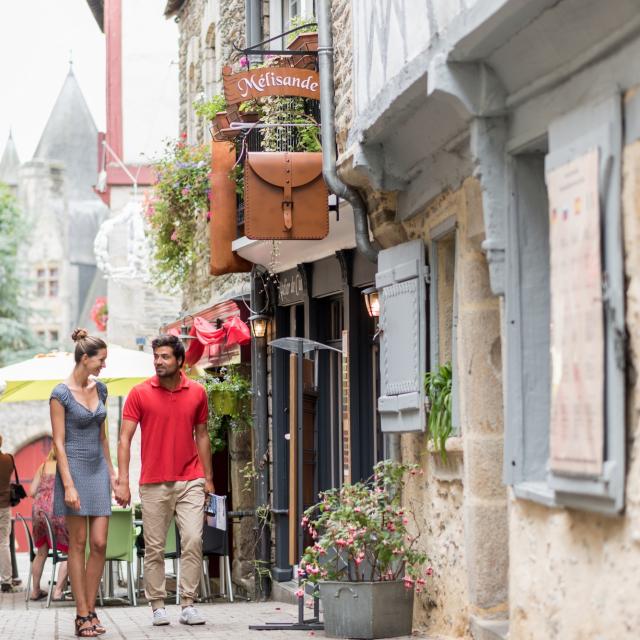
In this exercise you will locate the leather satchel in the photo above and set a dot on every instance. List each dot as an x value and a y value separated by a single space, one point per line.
286 197
16 490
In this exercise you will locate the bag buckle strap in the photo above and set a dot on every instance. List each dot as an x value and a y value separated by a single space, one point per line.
287 201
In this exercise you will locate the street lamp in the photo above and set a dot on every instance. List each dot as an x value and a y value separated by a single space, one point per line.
259 324
372 300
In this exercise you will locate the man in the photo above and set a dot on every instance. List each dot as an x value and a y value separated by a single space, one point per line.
6 471
176 472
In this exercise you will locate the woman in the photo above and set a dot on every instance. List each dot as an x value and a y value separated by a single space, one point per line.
41 491
85 475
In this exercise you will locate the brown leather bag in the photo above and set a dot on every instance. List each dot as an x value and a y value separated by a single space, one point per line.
285 196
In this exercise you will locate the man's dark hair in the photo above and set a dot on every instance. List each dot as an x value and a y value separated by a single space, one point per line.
167 340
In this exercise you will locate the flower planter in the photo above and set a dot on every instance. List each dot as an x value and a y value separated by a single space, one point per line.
224 402
304 42
221 128
366 609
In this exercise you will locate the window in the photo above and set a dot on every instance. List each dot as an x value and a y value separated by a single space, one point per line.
528 301
443 307
53 336
40 335
41 282
53 282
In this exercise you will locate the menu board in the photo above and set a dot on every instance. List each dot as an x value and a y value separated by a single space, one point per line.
577 326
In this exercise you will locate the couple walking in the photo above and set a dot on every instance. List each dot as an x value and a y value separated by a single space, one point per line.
175 478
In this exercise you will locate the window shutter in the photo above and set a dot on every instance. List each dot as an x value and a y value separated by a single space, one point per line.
401 280
599 126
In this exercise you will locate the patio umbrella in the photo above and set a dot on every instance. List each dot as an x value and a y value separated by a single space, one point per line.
34 379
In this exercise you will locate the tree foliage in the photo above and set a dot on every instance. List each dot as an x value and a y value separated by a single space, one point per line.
16 340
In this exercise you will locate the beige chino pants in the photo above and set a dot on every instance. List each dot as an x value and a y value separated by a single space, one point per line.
160 502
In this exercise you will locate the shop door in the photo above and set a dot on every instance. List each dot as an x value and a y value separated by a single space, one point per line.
28 459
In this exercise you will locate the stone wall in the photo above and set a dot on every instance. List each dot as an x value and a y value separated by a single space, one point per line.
342 77
461 504
575 575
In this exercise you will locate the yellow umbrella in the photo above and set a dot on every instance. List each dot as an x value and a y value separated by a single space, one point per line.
34 379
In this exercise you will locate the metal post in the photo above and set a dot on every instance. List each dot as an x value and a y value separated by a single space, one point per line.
261 444
300 464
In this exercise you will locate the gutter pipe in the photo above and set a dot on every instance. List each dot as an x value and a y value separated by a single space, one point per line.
328 132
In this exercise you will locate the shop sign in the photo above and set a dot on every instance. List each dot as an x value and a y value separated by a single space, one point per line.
290 288
270 81
577 328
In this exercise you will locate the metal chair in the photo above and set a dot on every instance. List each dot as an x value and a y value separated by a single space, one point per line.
32 554
54 554
216 543
120 543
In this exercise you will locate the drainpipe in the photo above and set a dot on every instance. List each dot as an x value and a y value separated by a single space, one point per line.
328 130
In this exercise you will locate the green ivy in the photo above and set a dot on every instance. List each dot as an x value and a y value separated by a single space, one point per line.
210 108
180 195
438 386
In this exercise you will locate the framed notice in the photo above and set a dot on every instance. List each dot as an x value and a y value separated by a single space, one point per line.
577 324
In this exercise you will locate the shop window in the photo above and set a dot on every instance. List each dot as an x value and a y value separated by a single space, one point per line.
545 457
443 306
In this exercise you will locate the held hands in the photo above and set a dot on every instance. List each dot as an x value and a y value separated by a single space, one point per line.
72 499
122 493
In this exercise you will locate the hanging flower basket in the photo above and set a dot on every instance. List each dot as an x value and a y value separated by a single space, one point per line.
224 402
100 313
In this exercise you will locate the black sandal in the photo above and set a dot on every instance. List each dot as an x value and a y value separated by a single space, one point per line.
97 625
85 632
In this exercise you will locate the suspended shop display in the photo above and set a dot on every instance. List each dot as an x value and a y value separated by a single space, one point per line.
286 197
223 221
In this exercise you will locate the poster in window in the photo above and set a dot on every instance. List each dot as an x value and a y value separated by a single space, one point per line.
577 331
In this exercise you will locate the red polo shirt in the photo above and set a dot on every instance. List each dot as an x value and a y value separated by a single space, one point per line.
167 421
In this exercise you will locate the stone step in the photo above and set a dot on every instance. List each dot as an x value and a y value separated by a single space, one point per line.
487 629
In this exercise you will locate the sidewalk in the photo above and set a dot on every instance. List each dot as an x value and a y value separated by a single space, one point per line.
225 621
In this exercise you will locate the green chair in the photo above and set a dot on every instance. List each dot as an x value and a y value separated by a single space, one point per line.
120 545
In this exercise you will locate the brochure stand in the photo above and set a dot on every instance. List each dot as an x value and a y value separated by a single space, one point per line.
299 346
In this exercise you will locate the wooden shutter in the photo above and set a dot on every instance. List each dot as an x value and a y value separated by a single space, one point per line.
401 280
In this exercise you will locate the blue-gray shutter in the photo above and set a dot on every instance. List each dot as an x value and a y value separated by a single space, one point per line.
600 125
401 280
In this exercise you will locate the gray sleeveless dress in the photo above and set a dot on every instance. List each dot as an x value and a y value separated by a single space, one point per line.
84 451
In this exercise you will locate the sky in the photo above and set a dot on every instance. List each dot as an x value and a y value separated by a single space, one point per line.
37 38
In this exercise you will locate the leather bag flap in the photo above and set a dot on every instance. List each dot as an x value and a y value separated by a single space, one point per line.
271 166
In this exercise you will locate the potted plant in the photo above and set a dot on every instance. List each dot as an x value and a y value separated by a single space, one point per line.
363 549
229 394
438 386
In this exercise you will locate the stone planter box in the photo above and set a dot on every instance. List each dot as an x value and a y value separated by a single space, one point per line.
366 609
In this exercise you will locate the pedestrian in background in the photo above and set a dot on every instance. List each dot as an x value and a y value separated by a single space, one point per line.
176 472
6 471
41 491
84 475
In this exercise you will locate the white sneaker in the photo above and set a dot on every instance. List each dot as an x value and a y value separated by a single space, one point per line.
160 617
190 615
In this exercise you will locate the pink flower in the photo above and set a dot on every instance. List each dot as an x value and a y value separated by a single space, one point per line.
341 542
174 235
357 509
244 61
185 191
405 520
420 581
429 571
408 582
300 593
391 526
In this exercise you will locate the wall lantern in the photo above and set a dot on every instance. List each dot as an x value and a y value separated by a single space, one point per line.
372 300
259 323
184 332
